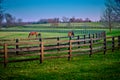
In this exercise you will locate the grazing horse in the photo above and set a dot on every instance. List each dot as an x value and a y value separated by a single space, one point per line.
70 34
34 33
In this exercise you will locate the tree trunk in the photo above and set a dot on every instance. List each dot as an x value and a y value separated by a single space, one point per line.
109 22
110 27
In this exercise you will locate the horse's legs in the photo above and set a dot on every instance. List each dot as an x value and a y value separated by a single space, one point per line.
36 35
28 35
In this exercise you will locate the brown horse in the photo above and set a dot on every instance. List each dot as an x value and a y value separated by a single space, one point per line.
34 33
70 34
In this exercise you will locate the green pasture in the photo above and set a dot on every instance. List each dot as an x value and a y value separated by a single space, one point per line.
99 66
15 34
83 67
55 31
91 24
18 35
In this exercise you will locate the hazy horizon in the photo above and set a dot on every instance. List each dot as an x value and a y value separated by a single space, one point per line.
34 10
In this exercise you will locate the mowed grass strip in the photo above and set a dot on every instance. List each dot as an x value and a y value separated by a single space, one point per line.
99 66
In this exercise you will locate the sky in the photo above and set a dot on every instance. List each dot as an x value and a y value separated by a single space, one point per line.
34 10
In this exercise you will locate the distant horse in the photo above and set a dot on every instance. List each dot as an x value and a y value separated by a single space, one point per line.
34 33
70 34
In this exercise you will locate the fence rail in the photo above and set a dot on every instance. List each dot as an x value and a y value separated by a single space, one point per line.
58 48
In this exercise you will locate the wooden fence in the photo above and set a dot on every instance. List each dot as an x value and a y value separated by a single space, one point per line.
41 49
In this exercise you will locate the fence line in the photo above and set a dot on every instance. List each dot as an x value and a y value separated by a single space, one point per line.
73 47
23 39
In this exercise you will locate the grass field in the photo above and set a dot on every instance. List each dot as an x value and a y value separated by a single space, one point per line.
99 66
83 67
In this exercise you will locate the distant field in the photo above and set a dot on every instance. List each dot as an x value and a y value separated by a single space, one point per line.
49 31
92 24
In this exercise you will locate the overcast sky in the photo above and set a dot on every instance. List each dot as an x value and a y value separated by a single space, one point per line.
33 10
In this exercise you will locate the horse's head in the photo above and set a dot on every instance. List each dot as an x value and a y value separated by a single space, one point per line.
71 34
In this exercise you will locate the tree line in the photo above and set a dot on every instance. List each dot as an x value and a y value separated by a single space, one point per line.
6 19
64 20
110 17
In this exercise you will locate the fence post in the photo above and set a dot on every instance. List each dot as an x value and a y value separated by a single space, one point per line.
40 40
58 44
5 55
96 35
93 38
91 41
119 42
104 45
78 37
17 46
84 39
70 38
41 52
99 35
70 50
113 43
89 37
104 34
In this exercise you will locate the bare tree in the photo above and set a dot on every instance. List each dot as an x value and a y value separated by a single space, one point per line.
116 8
65 19
9 19
1 18
1 13
72 19
111 14
19 21
107 17
87 20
